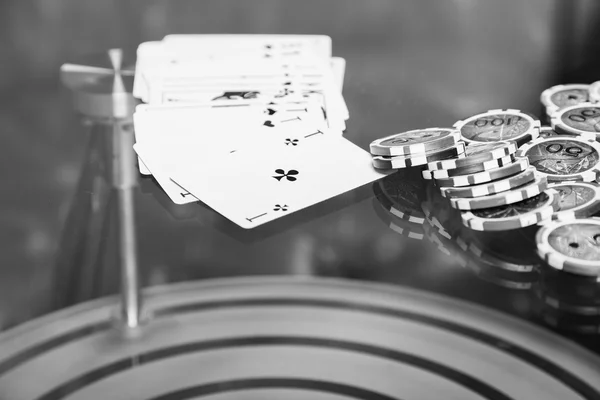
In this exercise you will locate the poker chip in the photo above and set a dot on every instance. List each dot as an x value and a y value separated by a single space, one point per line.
518 166
572 246
499 125
486 189
397 162
595 92
476 154
564 158
561 96
471 169
578 119
512 216
547 132
527 191
415 142
576 200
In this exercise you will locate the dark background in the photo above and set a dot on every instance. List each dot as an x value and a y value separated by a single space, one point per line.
410 64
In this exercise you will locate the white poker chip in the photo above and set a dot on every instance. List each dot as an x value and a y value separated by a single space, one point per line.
397 162
417 141
572 246
576 200
561 96
509 197
578 119
564 158
476 154
472 169
595 92
520 165
512 216
486 189
499 125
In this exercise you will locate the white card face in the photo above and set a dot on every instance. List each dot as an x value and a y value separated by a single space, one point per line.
275 176
210 135
214 125
160 124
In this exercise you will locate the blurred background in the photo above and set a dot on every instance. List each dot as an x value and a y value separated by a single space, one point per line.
410 63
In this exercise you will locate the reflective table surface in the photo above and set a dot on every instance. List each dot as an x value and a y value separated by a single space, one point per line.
410 65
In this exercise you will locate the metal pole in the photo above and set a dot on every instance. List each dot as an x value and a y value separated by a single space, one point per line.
125 181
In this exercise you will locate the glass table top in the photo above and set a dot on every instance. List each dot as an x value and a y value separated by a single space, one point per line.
60 219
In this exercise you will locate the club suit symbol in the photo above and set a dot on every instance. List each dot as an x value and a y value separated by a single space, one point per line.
290 175
280 207
293 142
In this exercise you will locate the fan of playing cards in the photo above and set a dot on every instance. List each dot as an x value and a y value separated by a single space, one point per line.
251 125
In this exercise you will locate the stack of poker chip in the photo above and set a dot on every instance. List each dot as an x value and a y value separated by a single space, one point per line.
493 188
416 148
501 170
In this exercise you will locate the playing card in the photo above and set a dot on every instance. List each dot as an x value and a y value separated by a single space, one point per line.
274 176
211 133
